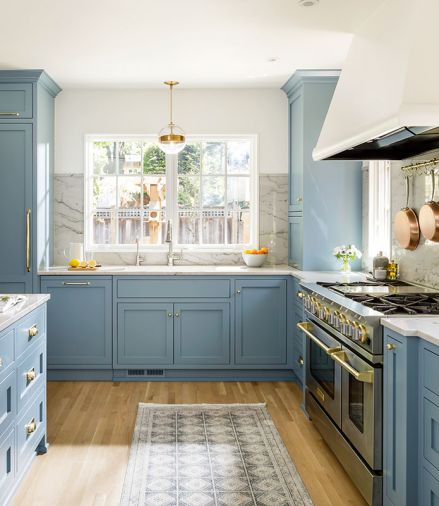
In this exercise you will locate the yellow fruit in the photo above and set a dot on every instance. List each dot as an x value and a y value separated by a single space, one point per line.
254 252
84 264
264 250
247 251
74 262
92 263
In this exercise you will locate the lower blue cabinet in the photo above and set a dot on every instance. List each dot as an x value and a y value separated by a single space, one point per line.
7 464
202 333
429 489
260 321
79 322
145 333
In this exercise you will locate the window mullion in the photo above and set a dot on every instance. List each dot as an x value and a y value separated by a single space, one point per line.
200 203
226 208
116 208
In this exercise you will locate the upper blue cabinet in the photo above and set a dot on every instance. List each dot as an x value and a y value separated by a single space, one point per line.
325 197
26 168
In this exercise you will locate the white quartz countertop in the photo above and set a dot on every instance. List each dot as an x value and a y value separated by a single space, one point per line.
426 327
22 309
208 270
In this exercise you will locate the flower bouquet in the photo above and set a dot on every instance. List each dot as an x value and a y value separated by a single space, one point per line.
346 254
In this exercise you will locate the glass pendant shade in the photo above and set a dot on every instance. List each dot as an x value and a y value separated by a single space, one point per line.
171 138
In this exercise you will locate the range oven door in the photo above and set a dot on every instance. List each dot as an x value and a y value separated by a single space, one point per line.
361 405
323 374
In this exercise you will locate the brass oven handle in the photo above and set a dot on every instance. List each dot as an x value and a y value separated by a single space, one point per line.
306 327
33 331
31 426
16 114
363 376
28 213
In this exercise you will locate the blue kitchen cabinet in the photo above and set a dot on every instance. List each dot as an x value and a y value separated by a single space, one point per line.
26 125
325 197
202 333
260 321
400 462
79 322
145 333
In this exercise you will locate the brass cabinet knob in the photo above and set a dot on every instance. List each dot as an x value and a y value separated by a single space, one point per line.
33 331
170 315
300 361
238 291
30 375
391 346
1 362
299 199
177 315
31 426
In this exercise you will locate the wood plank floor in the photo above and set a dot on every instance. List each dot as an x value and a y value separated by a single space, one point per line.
90 425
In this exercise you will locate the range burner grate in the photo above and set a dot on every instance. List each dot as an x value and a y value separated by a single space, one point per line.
411 304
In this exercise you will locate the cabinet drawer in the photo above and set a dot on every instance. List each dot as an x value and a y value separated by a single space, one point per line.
431 432
7 464
31 375
429 489
8 401
173 288
431 371
30 330
15 100
30 428
6 352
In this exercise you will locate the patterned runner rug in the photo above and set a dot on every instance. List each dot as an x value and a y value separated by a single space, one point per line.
209 454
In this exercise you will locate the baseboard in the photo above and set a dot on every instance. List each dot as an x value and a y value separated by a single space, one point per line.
80 375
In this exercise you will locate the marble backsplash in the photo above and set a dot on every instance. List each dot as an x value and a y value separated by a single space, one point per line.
421 265
273 224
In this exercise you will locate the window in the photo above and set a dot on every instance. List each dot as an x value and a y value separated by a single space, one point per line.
379 222
209 191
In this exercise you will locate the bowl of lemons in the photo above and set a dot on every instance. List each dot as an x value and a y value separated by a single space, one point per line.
255 257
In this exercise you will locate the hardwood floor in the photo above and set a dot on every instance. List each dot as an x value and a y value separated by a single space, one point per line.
90 425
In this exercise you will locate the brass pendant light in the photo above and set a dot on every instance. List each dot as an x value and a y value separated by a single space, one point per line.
171 138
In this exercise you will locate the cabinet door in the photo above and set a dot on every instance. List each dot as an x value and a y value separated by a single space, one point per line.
400 463
79 322
144 334
260 322
295 244
202 333
15 201
295 199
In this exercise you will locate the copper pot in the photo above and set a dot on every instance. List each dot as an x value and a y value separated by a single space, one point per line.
429 216
406 224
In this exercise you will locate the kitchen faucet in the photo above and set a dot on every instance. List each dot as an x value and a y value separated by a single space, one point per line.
139 258
171 255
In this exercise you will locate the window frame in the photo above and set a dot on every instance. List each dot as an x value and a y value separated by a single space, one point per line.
171 194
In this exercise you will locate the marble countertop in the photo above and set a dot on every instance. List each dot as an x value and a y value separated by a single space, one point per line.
208 270
22 309
425 327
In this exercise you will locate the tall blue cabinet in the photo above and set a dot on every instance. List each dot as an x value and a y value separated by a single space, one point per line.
26 167
325 197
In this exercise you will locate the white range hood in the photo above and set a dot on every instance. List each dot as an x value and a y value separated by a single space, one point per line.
386 103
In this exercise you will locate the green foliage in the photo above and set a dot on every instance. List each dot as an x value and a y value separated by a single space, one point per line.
154 160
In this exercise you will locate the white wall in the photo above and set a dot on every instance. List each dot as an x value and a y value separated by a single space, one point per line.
197 111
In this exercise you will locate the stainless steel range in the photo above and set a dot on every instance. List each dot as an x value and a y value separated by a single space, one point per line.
344 358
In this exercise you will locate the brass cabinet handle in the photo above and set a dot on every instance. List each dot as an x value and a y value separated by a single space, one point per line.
28 213
306 327
16 114
391 346
30 375
33 331
31 426
1 362
76 283
300 295
363 376
300 361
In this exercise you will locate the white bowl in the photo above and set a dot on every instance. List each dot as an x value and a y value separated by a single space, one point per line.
254 260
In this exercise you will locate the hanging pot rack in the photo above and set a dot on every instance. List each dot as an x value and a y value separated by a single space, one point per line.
420 168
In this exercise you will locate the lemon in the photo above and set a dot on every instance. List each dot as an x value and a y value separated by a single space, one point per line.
84 264
74 262
92 263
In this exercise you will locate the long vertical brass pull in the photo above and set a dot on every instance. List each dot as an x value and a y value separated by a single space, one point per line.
28 212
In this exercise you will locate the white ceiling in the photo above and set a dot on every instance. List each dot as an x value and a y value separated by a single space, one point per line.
202 43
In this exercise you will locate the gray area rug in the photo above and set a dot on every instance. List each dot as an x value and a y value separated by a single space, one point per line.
209 454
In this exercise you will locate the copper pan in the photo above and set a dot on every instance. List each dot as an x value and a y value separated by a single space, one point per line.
406 224
429 216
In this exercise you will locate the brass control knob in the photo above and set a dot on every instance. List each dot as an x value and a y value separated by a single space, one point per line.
364 338
300 295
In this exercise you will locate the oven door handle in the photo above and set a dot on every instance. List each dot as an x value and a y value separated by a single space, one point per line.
363 376
306 327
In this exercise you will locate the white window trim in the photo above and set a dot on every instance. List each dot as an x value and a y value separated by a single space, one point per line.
172 210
